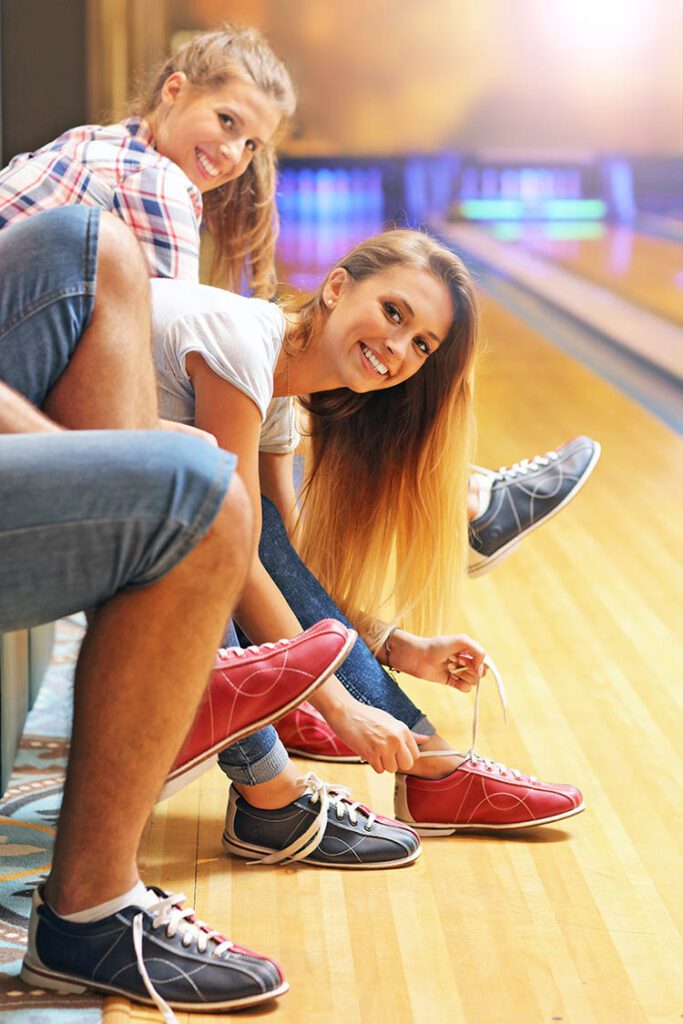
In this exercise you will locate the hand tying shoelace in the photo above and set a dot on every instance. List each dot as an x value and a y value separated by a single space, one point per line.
526 466
471 755
169 915
327 794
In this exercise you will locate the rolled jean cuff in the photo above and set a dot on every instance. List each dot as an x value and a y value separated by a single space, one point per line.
265 769
423 727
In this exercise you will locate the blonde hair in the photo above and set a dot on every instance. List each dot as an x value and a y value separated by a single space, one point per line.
383 522
241 215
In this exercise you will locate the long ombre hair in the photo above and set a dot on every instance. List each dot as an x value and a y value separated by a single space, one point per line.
241 215
383 521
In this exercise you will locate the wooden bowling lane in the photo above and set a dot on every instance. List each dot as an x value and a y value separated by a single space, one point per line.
581 921
645 270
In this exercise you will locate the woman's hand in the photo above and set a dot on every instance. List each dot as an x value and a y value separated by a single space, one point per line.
454 660
385 743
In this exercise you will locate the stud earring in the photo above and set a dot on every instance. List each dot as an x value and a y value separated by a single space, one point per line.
330 302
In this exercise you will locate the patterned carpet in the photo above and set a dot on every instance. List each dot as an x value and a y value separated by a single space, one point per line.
28 815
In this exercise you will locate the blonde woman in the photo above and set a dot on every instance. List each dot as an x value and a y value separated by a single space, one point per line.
383 357
200 147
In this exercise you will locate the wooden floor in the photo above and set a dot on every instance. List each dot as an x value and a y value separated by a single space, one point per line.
580 922
643 269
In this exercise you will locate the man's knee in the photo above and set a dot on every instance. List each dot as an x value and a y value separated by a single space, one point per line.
122 272
46 296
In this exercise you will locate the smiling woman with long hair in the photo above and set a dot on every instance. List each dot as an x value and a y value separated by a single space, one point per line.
200 147
382 357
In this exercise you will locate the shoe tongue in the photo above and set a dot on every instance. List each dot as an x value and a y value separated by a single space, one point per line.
144 897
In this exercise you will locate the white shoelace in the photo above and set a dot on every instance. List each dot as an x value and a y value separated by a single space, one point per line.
526 466
167 914
240 652
327 794
471 755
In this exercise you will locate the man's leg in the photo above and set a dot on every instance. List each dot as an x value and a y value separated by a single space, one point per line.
83 516
75 319
109 382
164 513
141 647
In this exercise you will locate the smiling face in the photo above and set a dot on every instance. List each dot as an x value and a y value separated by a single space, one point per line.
382 329
212 134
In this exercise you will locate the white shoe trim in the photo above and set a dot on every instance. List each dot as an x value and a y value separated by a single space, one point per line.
37 975
239 849
445 828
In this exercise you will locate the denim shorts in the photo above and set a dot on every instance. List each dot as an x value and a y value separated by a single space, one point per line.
86 514
48 270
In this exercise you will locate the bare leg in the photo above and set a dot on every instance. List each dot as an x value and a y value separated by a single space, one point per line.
283 789
277 792
143 667
435 767
109 382
472 500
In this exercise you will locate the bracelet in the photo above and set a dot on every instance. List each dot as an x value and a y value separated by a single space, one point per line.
387 648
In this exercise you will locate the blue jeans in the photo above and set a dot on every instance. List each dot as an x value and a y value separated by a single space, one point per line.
83 514
86 514
261 757
48 269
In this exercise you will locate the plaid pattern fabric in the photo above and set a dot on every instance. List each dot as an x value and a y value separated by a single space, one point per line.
115 167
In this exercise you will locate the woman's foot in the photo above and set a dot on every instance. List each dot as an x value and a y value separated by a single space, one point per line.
522 497
481 794
323 827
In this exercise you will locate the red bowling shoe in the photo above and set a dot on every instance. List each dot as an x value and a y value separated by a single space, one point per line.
481 794
251 687
305 733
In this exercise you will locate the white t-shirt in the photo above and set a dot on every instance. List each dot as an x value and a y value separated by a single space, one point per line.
240 339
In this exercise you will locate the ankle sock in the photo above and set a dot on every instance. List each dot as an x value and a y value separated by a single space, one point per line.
484 485
138 896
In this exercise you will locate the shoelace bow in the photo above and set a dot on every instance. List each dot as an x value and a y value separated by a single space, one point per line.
167 914
326 794
471 755
526 466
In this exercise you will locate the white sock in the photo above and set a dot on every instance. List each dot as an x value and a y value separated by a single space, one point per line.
484 485
138 896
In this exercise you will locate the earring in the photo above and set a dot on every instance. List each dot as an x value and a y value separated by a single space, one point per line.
330 302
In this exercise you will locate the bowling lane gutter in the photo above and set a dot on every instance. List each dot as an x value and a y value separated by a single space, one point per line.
655 389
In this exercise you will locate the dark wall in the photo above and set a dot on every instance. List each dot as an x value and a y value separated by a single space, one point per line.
42 72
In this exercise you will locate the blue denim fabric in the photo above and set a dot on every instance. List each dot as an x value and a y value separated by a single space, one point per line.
259 757
85 514
361 673
48 270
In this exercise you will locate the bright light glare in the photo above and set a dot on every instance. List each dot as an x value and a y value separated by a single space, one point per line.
599 25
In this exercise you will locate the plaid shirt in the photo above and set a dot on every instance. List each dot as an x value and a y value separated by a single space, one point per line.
115 167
